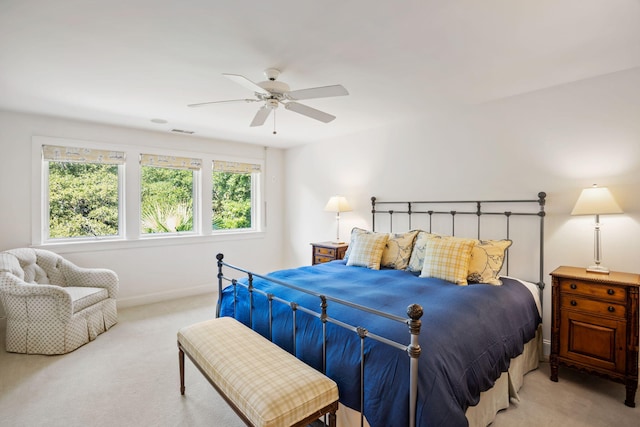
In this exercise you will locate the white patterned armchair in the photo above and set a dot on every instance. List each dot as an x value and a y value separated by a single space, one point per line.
53 306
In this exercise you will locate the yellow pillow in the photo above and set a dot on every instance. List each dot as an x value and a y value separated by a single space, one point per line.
398 250
366 250
486 262
448 259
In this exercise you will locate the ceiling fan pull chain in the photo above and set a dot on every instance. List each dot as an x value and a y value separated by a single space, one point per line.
274 122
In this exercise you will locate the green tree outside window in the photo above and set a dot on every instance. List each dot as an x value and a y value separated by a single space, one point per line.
83 200
166 200
231 200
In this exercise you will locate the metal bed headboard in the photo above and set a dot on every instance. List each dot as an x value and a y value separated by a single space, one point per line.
479 208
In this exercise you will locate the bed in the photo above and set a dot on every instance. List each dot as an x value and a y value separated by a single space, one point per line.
406 343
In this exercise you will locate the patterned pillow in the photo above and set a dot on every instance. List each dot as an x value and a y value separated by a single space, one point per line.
487 258
398 250
367 250
448 259
355 231
417 255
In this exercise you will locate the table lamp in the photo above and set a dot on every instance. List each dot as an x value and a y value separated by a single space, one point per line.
337 204
596 201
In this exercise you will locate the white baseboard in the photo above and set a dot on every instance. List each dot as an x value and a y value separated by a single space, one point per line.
546 348
208 288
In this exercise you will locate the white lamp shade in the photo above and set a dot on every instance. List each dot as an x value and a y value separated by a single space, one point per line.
337 204
596 201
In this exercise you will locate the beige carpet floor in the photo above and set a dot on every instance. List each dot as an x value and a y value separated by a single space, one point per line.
128 376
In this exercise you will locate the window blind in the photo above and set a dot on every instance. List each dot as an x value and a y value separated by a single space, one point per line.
171 162
235 167
82 155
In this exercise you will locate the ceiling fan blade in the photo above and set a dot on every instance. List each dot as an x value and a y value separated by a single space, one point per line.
221 102
261 116
309 112
317 92
243 81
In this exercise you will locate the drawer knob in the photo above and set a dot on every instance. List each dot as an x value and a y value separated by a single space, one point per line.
574 303
611 309
574 286
611 291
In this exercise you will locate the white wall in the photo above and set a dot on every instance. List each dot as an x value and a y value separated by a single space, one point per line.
558 140
148 271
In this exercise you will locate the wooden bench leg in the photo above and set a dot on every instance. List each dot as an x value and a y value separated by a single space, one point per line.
332 419
181 362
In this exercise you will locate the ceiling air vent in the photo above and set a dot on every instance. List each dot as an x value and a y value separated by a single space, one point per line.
188 132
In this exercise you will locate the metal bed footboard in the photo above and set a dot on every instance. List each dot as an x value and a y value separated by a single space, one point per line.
414 313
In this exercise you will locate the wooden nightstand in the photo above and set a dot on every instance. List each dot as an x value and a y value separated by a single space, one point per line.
327 251
594 325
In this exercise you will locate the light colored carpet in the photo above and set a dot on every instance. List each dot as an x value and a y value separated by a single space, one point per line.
128 376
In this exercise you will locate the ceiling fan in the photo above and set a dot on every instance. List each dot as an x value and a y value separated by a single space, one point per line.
273 93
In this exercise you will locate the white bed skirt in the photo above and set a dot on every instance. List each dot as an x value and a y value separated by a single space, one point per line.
492 400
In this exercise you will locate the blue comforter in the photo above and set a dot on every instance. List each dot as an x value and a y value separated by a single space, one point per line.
469 334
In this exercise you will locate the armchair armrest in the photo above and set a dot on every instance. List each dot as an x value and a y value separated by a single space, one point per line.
92 277
53 300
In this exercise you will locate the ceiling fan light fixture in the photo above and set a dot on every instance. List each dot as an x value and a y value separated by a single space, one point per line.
271 103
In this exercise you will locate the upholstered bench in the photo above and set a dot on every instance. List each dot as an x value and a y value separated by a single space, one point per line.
264 384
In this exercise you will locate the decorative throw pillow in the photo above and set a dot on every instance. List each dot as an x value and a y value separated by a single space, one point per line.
355 231
417 255
397 252
448 259
487 258
367 250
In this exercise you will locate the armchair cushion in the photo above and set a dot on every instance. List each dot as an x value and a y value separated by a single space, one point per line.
82 297
91 277
52 305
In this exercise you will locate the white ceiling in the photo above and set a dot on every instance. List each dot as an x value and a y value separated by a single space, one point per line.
127 62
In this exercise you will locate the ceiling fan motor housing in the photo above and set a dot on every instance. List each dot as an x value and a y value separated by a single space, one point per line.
274 87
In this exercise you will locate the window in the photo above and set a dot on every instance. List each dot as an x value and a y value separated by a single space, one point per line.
83 197
234 195
167 193
99 192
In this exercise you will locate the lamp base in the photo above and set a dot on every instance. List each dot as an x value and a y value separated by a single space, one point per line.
597 269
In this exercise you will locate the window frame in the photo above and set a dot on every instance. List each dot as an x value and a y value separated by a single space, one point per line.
46 224
257 216
196 196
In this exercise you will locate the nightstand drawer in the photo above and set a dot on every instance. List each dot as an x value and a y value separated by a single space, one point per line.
596 290
329 252
585 305
319 259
